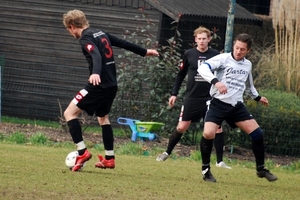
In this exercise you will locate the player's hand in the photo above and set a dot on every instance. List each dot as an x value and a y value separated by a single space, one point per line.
264 101
221 88
152 52
95 79
172 101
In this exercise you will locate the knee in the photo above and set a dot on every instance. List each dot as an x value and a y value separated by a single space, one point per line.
257 134
181 129
209 135
67 115
103 120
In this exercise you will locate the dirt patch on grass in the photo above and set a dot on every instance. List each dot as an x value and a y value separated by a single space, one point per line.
60 135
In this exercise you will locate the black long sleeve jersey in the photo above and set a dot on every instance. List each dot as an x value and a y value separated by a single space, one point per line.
196 86
97 48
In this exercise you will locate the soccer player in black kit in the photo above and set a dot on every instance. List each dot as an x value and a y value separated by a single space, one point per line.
197 94
98 95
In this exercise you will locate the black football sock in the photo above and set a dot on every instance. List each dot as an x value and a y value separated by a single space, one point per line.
75 130
173 140
259 153
219 146
81 151
206 148
108 140
258 148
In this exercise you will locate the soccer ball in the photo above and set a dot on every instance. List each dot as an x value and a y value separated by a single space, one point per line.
71 159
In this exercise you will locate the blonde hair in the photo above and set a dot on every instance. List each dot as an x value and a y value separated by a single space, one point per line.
202 29
75 18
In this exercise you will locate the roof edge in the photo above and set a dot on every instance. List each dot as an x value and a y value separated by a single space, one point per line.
175 14
163 9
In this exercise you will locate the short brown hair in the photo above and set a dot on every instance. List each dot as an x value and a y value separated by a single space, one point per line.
75 18
246 38
202 29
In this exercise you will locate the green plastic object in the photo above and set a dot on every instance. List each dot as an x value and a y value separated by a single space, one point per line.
145 127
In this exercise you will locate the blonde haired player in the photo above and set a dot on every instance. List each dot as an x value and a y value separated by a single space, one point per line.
99 92
197 94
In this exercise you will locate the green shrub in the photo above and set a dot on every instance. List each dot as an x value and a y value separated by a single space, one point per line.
131 148
196 156
38 138
279 122
1 137
145 83
99 147
17 137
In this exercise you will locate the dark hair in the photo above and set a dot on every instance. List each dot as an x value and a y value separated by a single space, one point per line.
246 38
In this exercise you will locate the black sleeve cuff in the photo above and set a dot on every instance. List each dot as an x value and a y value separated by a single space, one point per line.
214 81
257 98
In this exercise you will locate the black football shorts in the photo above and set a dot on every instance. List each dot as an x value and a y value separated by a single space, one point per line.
96 102
193 110
219 111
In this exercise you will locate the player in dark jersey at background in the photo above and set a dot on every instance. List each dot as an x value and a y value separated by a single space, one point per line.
197 94
98 95
233 77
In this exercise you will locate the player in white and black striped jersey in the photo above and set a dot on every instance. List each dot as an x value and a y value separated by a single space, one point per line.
232 77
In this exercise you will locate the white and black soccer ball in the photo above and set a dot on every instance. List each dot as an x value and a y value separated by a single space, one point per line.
71 159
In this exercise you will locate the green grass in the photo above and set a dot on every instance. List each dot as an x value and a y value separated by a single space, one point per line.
33 168
38 172
16 120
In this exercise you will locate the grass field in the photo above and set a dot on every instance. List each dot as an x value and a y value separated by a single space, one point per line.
38 172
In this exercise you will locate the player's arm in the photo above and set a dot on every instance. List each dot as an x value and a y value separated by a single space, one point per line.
178 80
206 69
90 48
252 92
117 42
180 76
152 52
